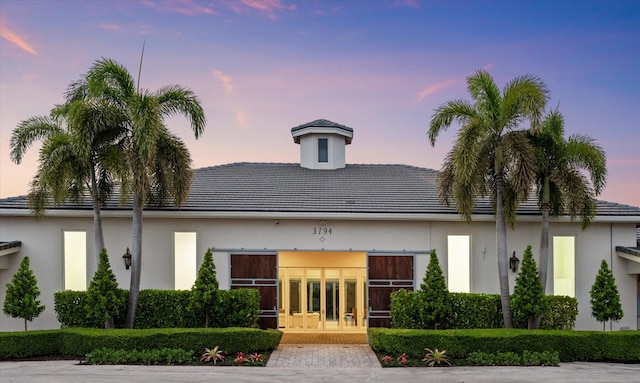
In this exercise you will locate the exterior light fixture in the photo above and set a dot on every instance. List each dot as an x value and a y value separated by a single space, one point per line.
127 259
514 262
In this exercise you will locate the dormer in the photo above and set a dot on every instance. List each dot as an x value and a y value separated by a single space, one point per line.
322 144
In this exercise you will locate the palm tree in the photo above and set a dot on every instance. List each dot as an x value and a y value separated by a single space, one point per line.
158 162
560 178
78 155
490 157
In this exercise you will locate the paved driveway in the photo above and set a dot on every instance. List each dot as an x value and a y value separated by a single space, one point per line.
70 371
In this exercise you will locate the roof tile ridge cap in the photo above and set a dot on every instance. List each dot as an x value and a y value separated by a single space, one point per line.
395 165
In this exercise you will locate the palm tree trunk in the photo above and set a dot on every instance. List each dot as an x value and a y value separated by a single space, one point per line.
136 263
544 235
501 245
97 218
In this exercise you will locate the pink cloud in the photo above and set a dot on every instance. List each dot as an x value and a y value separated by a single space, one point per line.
226 81
408 3
431 89
10 36
267 7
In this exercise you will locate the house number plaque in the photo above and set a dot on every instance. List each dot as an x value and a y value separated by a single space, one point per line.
320 231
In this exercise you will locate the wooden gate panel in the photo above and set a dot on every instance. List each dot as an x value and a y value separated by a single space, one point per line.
260 272
386 274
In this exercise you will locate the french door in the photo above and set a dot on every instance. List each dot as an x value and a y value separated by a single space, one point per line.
322 299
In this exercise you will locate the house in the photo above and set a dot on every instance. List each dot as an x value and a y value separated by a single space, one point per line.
325 242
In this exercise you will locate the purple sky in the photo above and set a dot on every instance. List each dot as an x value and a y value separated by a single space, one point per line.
261 67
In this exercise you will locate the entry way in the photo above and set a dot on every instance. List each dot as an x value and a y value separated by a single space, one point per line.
318 291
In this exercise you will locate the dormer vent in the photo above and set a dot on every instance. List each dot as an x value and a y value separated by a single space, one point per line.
322 144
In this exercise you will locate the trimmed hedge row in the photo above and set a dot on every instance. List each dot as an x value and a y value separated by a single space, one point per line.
79 342
473 311
595 346
164 309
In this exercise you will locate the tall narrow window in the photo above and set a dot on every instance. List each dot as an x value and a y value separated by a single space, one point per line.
75 260
185 259
564 278
459 270
323 150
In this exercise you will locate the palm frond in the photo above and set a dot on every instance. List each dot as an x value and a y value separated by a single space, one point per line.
460 111
485 93
28 131
111 80
524 98
176 100
172 170
583 152
519 165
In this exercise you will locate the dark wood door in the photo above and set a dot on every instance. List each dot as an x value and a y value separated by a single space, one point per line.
386 274
260 272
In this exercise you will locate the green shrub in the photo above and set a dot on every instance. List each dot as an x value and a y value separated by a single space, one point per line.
163 309
237 308
619 346
434 310
507 359
27 344
204 296
605 298
79 341
70 308
21 299
166 356
478 311
527 300
560 313
104 302
403 310
528 358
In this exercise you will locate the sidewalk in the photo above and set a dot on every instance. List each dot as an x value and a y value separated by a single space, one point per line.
70 371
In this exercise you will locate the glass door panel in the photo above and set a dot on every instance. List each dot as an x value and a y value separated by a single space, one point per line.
332 299
295 299
351 307
312 314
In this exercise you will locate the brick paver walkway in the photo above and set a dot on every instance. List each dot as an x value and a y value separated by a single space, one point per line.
309 350
324 355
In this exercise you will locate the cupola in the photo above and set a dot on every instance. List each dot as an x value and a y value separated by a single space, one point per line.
322 144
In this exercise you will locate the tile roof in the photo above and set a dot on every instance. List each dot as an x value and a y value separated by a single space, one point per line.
289 188
322 123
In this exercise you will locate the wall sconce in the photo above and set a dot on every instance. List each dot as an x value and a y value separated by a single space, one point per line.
514 262
127 259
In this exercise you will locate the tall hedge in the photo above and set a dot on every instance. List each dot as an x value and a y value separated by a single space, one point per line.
473 311
164 309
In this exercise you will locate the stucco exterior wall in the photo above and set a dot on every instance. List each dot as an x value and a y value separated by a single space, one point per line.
42 242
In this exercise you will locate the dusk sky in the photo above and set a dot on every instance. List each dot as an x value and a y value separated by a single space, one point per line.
261 67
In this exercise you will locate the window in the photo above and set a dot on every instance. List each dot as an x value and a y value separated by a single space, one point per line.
323 150
75 260
459 272
185 260
564 278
